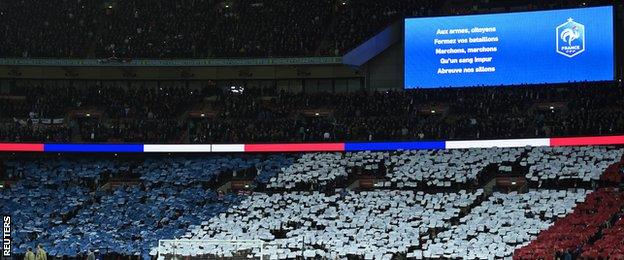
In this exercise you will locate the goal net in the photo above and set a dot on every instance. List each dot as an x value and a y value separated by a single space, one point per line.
182 249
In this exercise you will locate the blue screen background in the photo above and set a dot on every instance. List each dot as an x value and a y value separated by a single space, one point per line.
526 49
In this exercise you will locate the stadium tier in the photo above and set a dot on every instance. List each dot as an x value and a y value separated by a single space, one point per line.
301 204
191 29
298 130
41 111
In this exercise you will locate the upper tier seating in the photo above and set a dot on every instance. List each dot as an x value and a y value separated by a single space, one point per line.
200 29
194 29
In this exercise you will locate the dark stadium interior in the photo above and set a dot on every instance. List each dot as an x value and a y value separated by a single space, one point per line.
349 161
208 28
122 112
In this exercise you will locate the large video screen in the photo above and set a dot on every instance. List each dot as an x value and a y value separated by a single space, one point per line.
510 49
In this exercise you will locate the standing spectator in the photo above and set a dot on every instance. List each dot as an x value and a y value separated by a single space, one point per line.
29 254
41 254
90 255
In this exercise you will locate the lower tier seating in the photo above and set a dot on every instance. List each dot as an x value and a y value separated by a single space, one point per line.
576 230
501 224
68 204
610 245
372 224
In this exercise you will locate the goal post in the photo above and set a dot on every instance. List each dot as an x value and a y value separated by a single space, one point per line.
182 249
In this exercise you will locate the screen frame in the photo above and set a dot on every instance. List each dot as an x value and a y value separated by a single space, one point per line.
614 35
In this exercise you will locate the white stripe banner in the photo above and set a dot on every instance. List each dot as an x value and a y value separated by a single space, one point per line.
177 148
217 148
506 143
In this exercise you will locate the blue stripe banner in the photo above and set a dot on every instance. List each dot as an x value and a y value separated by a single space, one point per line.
94 148
387 146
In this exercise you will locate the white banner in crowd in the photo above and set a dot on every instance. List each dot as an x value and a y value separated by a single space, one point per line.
35 121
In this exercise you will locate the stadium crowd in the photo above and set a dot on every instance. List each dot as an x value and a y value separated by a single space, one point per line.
66 202
161 114
423 204
206 28
479 113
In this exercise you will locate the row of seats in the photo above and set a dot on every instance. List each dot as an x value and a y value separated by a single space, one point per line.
319 168
443 167
501 224
182 171
576 229
61 170
438 168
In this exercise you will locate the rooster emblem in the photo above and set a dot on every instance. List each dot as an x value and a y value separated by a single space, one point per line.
570 34
570 38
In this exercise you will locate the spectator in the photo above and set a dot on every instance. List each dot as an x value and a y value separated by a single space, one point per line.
29 254
41 254
90 255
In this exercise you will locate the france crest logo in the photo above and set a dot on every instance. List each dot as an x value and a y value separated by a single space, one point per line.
570 38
